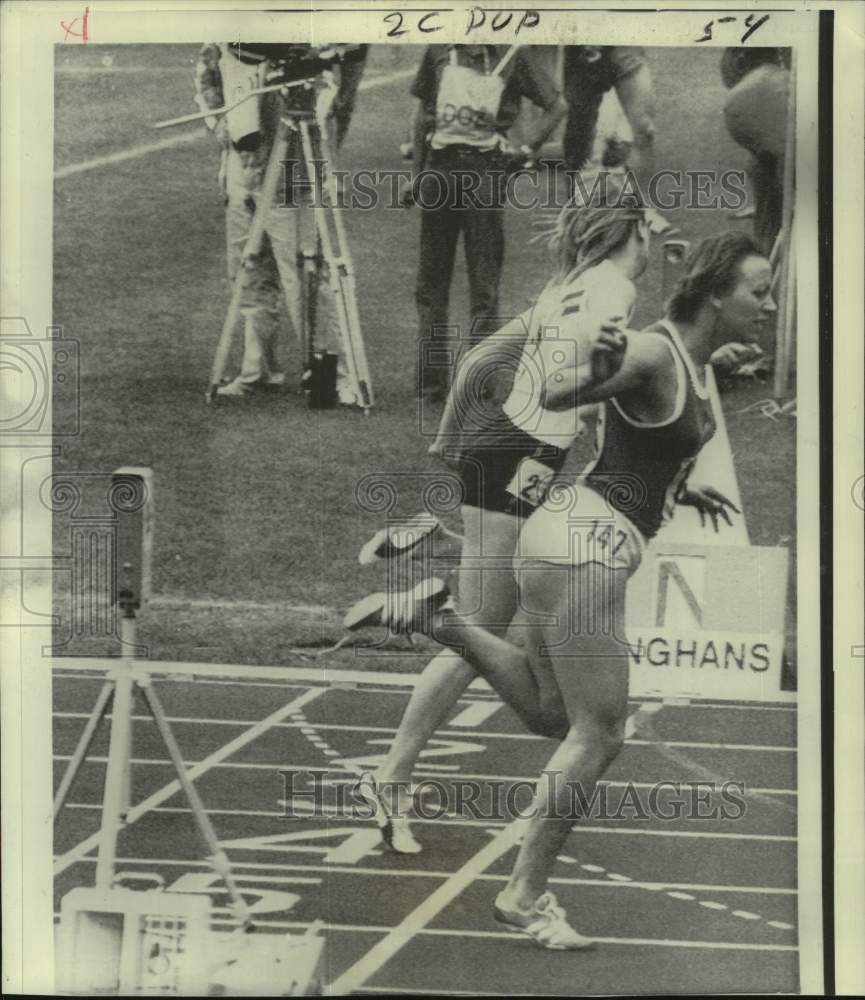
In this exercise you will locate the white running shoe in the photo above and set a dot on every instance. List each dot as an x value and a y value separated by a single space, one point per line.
234 390
345 391
395 830
546 923
400 539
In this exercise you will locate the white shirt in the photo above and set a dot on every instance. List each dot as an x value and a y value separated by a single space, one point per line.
563 322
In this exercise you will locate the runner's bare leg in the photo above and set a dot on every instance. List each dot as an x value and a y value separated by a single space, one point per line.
487 594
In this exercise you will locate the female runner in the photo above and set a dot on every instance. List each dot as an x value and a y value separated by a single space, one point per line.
574 558
505 469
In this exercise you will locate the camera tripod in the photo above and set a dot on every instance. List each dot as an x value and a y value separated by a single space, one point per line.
118 690
331 254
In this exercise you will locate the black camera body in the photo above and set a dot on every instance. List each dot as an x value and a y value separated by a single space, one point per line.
288 62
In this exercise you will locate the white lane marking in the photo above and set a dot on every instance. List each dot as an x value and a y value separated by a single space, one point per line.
473 715
335 869
507 935
482 709
264 925
133 153
419 773
782 700
301 808
144 149
158 797
416 921
107 68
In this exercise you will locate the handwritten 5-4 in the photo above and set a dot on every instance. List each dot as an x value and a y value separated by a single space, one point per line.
428 22
751 23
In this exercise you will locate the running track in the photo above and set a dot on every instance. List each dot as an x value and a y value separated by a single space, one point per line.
682 905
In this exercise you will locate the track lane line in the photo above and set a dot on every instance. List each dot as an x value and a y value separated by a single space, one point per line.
194 772
134 152
781 701
447 730
330 815
192 720
419 772
330 869
508 936
265 925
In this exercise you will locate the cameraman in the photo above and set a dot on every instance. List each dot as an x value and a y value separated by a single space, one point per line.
465 111
224 72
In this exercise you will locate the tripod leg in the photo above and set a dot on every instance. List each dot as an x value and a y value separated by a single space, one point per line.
115 796
345 272
338 264
218 855
253 243
83 746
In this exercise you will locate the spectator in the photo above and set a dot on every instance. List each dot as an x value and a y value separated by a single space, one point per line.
589 72
351 72
756 112
465 111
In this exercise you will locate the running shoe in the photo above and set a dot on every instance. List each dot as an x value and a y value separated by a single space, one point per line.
400 539
233 390
546 923
395 830
345 391
403 611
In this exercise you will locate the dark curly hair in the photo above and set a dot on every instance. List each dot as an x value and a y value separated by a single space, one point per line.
712 268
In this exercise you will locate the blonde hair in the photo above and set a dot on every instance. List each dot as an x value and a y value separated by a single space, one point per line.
588 230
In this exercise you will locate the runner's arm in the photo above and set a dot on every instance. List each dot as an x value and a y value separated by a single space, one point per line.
471 375
639 358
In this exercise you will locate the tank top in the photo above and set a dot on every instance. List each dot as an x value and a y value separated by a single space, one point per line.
565 316
641 468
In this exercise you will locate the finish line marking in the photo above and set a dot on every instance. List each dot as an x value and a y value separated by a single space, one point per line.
238 672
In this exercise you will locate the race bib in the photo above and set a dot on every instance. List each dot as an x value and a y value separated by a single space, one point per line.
531 482
238 79
467 108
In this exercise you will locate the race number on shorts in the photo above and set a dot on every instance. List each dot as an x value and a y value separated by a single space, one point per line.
531 482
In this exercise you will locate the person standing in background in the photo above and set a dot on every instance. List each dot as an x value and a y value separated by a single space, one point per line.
756 112
351 68
469 96
224 72
589 72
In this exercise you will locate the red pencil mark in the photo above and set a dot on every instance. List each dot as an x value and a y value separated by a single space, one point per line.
70 28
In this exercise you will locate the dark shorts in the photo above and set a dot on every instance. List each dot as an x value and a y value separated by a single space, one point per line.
511 475
589 72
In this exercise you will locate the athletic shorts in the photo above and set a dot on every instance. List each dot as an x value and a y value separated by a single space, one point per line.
576 526
511 475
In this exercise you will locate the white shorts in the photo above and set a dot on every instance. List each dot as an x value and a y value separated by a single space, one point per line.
575 526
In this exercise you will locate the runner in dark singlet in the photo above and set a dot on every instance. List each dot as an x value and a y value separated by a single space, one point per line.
576 553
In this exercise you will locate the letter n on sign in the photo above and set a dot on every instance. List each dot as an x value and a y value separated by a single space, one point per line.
680 591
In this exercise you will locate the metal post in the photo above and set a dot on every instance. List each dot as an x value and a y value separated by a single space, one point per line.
115 801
